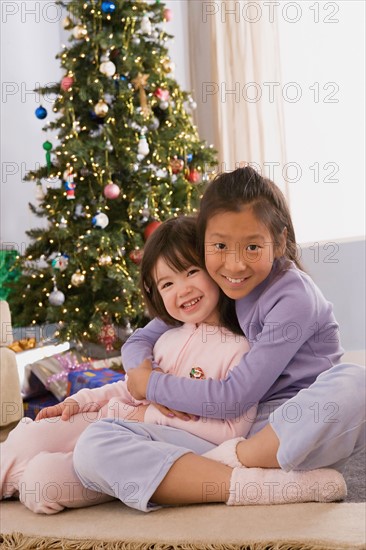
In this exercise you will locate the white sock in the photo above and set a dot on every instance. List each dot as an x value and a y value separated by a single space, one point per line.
253 486
226 453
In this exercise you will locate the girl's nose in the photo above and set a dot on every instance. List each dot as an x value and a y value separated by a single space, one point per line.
184 290
234 261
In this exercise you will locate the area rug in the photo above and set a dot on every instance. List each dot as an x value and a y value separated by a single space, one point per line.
112 526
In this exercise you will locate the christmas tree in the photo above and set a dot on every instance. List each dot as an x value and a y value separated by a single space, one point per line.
128 157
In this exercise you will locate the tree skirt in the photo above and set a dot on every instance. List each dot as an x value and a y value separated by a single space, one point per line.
112 526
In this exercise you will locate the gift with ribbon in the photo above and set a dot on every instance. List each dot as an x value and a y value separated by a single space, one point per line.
53 372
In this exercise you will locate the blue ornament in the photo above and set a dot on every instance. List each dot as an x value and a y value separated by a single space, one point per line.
40 112
108 7
189 157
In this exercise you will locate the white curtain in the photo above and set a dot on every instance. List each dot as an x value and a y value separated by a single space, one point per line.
235 72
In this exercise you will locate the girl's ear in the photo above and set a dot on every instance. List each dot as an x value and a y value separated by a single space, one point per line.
281 245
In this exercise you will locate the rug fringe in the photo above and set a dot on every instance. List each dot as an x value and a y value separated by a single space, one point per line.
17 541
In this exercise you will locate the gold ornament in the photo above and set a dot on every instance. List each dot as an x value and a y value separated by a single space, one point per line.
66 22
79 32
168 65
101 108
139 83
78 279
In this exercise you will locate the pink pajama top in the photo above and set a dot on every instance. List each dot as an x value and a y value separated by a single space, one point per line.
190 351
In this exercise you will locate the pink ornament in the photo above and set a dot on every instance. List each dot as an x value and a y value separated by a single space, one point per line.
163 95
111 191
66 83
168 14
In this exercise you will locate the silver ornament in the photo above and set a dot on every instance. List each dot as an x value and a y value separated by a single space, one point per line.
56 297
154 124
107 68
146 26
143 146
162 173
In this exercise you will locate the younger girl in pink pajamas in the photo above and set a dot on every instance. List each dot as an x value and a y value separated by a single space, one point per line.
36 459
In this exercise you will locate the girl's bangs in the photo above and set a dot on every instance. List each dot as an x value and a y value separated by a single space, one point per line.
179 259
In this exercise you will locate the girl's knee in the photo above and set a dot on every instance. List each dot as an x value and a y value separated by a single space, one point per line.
37 490
352 383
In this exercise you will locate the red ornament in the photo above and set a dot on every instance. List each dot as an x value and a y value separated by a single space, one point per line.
194 176
107 335
111 191
161 94
168 14
176 165
150 228
136 256
66 83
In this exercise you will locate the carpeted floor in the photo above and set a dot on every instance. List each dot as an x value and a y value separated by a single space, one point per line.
355 476
113 526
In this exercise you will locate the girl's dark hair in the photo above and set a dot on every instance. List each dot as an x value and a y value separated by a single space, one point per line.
176 242
228 192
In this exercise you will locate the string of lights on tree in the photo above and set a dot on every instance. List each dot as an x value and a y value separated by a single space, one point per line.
126 157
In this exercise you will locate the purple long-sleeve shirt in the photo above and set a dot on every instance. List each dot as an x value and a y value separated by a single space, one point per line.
293 337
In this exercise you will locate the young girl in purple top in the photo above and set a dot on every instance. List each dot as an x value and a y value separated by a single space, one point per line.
312 409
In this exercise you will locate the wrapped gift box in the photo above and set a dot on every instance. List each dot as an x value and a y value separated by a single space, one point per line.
92 379
33 406
52 372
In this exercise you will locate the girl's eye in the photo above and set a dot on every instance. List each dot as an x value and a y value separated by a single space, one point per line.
192 271
166 285
252 248
219 246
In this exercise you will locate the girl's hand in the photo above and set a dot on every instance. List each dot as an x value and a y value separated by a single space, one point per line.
137 382
66 410
138 379
171 413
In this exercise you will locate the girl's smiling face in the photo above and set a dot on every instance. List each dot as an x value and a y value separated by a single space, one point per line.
239 251
190 296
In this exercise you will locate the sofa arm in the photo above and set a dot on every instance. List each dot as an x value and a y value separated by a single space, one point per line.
6 332
11 404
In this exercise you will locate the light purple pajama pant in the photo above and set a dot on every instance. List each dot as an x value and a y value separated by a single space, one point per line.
322 426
